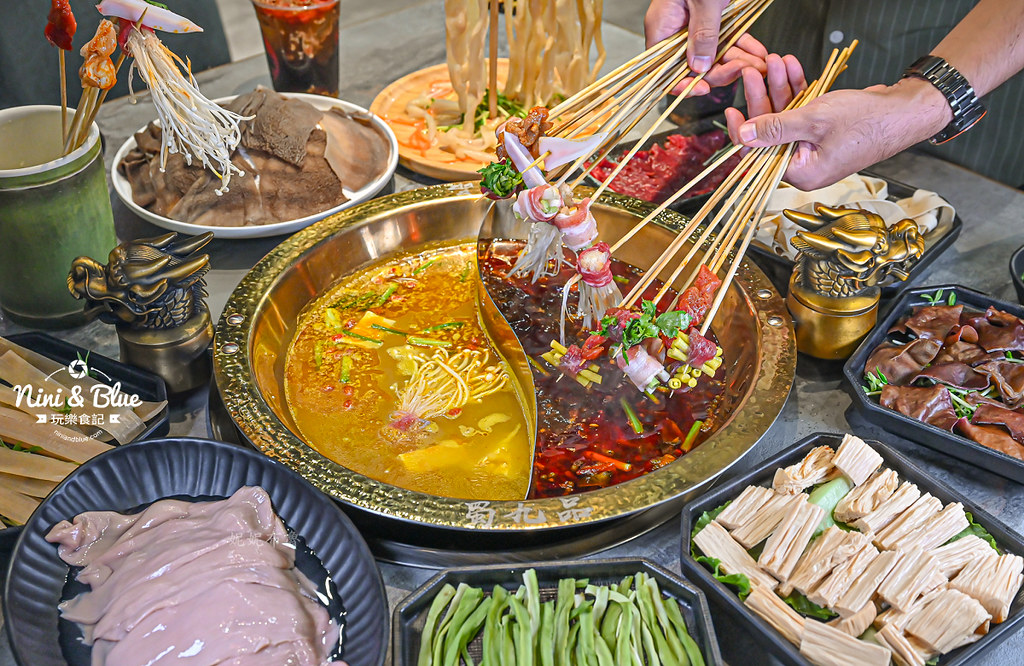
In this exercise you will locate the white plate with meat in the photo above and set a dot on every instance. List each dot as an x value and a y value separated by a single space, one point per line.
248 209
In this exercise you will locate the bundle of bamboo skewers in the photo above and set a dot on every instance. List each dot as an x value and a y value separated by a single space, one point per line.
724 226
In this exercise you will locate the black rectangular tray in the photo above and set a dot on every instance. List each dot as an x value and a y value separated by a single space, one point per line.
725 598
922 433
778 269
411 613
145 384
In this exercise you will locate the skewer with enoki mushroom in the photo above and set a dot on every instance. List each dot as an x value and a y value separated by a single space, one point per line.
191 124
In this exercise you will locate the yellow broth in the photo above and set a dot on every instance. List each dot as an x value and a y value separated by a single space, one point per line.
343 390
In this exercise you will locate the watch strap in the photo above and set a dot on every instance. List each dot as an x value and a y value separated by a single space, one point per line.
967 108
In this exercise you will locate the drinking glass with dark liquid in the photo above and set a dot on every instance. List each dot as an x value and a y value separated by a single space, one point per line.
300 38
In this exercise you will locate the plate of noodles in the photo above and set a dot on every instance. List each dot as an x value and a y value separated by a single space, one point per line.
440 114
276 222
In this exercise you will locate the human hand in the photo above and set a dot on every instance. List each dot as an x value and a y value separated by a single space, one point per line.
703 17
843 131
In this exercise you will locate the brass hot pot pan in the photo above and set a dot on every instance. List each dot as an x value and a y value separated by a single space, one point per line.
259 322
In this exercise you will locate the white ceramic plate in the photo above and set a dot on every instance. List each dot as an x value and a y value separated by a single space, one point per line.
124 189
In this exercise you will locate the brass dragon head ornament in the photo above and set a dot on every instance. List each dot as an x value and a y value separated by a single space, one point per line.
151 283
852 250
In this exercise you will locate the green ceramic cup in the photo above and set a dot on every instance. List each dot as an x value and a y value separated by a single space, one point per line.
52 209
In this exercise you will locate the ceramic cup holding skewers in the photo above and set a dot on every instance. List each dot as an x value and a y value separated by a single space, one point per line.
53 208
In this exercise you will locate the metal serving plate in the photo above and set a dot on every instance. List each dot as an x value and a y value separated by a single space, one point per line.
260 318
411 614
933 437
724 599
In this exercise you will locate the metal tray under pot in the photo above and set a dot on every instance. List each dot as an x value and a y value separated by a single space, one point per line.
259 321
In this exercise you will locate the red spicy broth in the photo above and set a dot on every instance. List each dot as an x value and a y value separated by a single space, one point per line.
585 441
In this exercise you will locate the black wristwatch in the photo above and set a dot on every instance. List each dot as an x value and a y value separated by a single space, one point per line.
967 108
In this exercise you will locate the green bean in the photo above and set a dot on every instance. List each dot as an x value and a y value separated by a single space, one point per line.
689 645
649 644
622 637
674 644
464 604
465 631
610 623
508 653
566 589
532 601
521 635
492 626
440 602
626 585
546 637
581 605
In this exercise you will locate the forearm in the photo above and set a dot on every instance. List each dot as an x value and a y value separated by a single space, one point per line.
987 46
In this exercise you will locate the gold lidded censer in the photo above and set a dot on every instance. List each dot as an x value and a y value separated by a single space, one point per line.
152 290
834 289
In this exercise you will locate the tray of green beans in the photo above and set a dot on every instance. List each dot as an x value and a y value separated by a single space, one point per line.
588 613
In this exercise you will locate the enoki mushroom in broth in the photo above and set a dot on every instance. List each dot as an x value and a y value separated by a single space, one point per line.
441 384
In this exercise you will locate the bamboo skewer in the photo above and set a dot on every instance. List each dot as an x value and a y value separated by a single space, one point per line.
492 80
63 98
733 28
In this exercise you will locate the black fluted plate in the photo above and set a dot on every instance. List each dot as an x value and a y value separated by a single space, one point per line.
136 475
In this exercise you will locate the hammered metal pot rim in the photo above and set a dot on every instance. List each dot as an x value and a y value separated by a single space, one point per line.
254 417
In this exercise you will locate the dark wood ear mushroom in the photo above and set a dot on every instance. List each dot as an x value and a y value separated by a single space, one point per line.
152 289
834 292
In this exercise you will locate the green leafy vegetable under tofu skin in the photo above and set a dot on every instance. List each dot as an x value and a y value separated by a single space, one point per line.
978 531
827 496
584 624
739 582
808 608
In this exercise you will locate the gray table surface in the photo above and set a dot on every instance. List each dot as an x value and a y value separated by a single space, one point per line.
992 215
